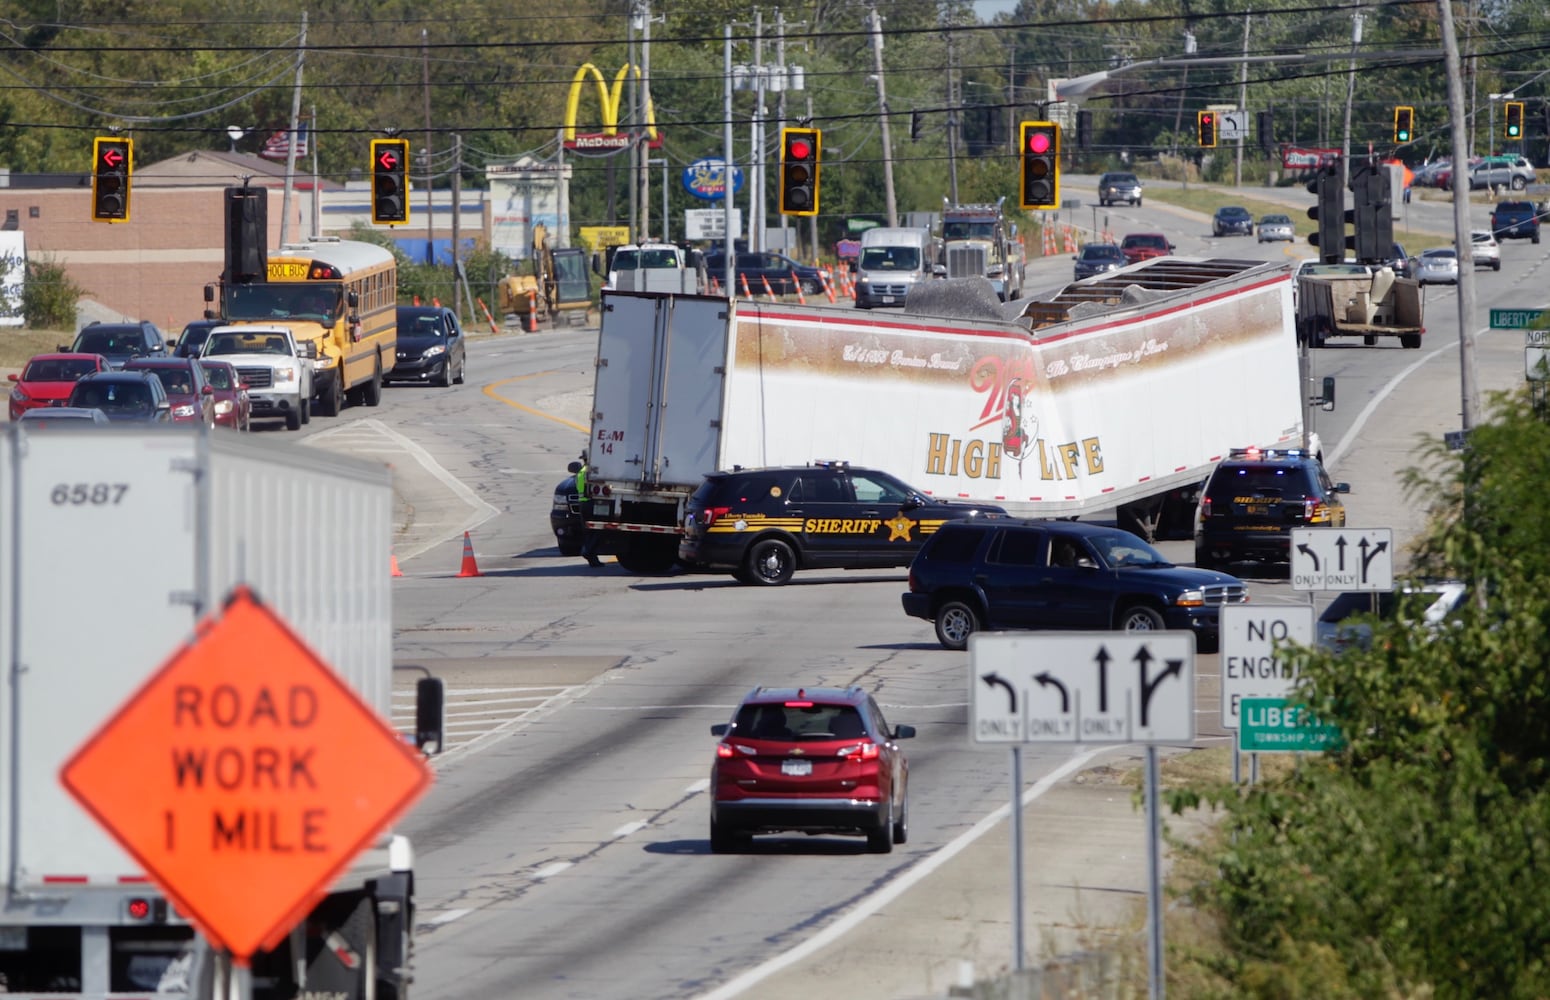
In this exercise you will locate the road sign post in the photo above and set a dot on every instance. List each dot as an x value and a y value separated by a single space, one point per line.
1342 559
1274 725
1085 687
245 777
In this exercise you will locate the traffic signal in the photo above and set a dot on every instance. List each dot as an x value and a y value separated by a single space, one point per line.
1267 131
112 163
1331 215
799 153
1040 187
390 181
1208 126
1404 123
1514 119
1372 192
1084 129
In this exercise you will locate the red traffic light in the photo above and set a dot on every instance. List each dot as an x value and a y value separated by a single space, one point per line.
387 160
1207 118
800 149
1038 142
112 157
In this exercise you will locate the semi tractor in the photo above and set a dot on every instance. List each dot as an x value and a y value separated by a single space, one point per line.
979 241
1119 393
116 543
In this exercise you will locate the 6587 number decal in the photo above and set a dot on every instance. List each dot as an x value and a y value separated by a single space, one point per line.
97 494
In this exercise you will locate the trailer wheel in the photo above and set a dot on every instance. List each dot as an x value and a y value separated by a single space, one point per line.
1410 340
650 554
771 562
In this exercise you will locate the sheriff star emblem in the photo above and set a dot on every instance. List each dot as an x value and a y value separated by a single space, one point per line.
899 528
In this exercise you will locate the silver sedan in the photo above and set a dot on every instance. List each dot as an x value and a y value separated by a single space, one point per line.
1437 266
1276 227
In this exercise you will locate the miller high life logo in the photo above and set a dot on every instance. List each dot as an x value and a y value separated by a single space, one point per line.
610 139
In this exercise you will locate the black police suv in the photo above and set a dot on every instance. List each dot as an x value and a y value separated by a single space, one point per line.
1255 497
765 524
1015 573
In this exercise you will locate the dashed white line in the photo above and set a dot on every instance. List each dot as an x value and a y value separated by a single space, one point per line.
550 870
698 786
447 917
629 828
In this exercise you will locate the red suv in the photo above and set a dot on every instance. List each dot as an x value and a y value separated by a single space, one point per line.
188 390
811 760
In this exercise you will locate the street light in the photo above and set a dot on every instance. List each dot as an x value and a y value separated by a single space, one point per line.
235 132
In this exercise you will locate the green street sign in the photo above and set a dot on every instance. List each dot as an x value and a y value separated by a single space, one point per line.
1270 725
1517 319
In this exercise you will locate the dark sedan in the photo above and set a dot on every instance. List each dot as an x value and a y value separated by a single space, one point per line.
1232 220
430 347
1098 258
782 274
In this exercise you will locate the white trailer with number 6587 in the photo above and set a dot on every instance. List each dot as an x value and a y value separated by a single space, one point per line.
113 544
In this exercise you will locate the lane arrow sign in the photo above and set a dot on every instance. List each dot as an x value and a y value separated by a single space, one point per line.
996 680
1047 680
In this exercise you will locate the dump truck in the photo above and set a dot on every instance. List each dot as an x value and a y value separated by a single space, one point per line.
116 543
1355 300
1117 393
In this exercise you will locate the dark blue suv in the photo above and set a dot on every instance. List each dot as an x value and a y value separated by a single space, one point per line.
1010 573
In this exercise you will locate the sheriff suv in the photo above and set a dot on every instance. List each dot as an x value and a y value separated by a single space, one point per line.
1253 500
765 524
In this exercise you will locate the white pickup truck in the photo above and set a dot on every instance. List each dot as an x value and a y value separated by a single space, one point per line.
277 370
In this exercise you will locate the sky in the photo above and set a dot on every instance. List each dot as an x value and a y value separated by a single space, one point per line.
987 9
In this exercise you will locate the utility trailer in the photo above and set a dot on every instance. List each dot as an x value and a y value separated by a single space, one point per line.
1353 300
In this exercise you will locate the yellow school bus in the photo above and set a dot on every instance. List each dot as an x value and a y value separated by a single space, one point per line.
341 295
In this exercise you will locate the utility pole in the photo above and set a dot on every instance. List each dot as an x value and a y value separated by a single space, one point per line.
952 120
1350 95
430 200
290 154
882 103
780 107
632 182
727 165
756 141
1243 102
1469 400
643 160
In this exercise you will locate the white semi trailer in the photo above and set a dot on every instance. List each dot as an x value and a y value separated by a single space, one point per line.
115 542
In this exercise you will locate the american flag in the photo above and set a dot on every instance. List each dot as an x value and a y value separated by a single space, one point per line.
278 145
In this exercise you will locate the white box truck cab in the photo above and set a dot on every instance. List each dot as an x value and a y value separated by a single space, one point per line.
891 261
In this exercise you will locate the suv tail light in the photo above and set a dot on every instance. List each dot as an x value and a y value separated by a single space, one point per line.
1205 507
710 514
861 751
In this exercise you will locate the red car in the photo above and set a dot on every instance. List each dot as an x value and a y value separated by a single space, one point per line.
1144 246
48 378
190 393
810 760
232 407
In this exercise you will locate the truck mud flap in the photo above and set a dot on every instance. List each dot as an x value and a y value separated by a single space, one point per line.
338 941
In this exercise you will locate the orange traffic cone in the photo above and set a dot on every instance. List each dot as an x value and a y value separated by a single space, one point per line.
393 561
470 568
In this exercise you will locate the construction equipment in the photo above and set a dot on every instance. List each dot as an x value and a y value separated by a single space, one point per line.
559 286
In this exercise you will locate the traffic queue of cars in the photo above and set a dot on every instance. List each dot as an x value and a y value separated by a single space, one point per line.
190 388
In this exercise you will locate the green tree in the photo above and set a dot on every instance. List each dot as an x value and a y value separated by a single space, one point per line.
1412 863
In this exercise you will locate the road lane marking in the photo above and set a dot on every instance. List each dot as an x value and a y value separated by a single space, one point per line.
698 786
548 871
448 917
629 828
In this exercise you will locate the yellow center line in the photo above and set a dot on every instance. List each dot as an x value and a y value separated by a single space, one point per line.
489 390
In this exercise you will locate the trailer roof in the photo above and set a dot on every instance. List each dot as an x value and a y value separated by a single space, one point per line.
1149 280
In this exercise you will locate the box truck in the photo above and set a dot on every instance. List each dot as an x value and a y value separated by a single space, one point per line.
1117 393
116 542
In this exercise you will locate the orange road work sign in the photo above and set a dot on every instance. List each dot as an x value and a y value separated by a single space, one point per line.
245 777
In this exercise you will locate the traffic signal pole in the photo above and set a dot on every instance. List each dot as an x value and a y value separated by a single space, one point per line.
1469 391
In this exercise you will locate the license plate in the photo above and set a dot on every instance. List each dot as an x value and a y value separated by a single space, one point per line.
601 509
796 768
1258 508
887 299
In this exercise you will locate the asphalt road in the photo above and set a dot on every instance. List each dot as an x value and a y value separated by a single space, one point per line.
563 852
